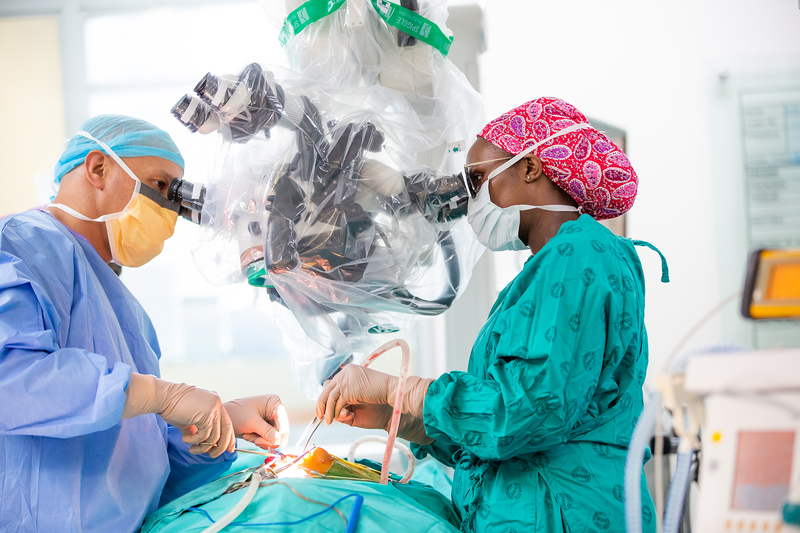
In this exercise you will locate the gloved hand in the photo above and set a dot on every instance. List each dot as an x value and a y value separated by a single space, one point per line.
413 429
261 420
371 416
356 384
197 413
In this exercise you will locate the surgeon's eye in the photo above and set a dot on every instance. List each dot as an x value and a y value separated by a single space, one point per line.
475 178
160 184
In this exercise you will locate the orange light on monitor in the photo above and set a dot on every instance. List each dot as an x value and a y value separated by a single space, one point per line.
772 289
784 282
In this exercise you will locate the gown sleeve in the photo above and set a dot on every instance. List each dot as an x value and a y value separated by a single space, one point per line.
544 354
46 390
189 471
442 449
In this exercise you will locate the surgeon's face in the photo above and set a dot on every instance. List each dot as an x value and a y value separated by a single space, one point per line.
505 189
154 172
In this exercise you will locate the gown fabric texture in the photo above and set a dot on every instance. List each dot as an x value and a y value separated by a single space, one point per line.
538 427
70 335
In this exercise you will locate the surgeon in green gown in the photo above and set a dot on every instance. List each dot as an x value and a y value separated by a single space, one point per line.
538 427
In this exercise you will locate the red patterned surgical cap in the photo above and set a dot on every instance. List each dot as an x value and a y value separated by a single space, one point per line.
585 163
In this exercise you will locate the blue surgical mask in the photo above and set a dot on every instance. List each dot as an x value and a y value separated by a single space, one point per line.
497 227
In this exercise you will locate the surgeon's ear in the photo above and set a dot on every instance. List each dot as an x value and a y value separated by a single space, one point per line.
97 169
534 168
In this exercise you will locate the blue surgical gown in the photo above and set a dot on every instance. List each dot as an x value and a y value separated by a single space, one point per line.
538 427
70 335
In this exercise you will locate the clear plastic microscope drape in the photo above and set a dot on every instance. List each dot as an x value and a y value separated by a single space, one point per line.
338 189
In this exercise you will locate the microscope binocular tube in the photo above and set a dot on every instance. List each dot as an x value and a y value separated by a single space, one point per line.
190 196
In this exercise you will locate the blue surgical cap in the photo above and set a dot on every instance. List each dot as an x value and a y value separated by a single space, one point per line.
127 136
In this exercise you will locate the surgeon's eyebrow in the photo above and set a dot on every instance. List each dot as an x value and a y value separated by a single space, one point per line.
487 161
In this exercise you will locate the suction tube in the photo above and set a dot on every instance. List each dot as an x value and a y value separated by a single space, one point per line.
351 456
398 400
237 509
677 491
633 465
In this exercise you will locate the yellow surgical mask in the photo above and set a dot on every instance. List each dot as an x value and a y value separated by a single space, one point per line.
137 233
138 236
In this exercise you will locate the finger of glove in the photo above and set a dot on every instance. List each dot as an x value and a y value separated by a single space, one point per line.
187 431
202 434
214 422
232 443
268 437
270 407
223 441
275 414
346 417
190 435
333 406
322 399
238 415
197 449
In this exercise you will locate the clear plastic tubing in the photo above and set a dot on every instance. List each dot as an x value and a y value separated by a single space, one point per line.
412 462
677 491
633 465
220 524
398 400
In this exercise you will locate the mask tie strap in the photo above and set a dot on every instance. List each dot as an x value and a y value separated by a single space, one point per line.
127 170
554 207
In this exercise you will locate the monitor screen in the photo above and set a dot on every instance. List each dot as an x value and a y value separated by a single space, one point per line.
763 470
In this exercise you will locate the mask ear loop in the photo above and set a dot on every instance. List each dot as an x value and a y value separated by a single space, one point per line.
125 167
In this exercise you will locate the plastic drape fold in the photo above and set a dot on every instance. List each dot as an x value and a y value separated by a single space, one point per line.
337 191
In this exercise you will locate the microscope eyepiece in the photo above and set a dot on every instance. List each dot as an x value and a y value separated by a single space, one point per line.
191 196
195 114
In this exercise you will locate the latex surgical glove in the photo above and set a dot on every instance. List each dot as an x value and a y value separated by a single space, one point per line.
413 430
367 416
413 396
371 416
261 420
197 413
356 384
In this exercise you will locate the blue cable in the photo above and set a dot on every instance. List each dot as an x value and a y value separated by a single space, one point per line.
351 524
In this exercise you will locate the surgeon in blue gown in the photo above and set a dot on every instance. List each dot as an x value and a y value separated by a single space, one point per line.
91 440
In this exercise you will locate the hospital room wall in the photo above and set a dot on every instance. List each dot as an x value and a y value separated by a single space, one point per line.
640 66
33 112
645 67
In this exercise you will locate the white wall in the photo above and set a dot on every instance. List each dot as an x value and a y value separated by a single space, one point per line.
33 114
644 66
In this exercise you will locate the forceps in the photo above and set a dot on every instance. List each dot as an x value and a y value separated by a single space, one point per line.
305 438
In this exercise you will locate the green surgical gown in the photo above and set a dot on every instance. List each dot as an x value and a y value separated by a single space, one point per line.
538 427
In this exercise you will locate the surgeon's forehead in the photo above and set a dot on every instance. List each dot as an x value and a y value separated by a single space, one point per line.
482 150
159 167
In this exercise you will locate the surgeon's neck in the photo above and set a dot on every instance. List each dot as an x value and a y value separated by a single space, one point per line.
95 232
544 225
